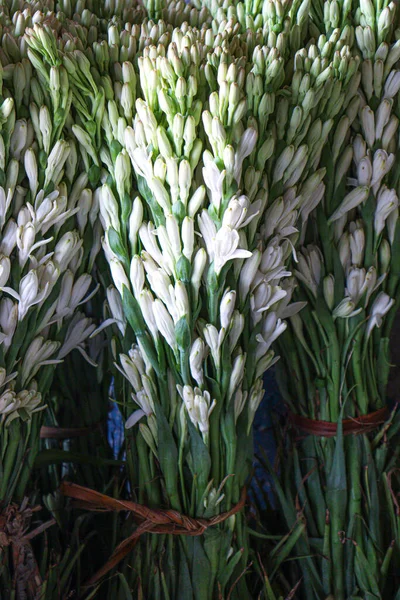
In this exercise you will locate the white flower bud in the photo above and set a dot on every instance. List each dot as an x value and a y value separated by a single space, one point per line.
226 308
172 230
66 249
345 309
199 264
137 275
9 238
109 209
329 291
350 201
122 172
55 162
196 360
382 163
357 246
381 306
239 403
213 340
237 375
164 143
196 201
382 117
384 256
387 202
164 323
160 194
45 124
283 162
31 170
146 302
364 171
5 268
8 321
185 180
135 222
389 132
181 300
131 373
118 274
392 85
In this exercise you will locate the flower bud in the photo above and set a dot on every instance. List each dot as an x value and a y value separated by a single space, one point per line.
109 209
227 307
345 309
135 222
137 275
66 249
196 360
146 302
199 264
329 291
384 256
118 274
188 237
164 323
5 269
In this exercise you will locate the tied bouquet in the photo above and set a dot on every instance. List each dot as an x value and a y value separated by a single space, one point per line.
208 152
339 465
189 192
45 276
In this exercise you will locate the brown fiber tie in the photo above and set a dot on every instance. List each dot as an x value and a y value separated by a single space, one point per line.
66 433
154 520
355 425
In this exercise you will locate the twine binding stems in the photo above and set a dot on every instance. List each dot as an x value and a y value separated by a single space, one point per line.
153 520
353 426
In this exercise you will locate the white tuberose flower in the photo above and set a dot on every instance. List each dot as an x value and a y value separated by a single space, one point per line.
387 202
29 293
383 303
226 248
199 407
222 245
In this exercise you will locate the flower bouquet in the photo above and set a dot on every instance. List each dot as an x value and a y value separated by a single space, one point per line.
341 455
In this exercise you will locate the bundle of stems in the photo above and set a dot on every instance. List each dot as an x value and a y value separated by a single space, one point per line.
48 245
204 190
335 353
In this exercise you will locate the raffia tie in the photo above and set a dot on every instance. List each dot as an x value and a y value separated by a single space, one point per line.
67 433
353 426
14 534
153 520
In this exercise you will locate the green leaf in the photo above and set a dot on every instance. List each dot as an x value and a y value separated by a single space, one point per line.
182 334
227 572
200 566
183 269
116 245
201 460
336 494
185 582
168 458
135 318
94 175
70 565
365 578
115 149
